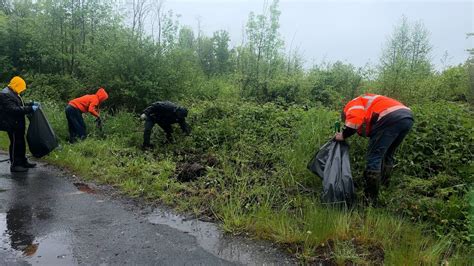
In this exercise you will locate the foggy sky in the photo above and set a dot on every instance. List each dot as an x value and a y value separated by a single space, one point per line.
350 31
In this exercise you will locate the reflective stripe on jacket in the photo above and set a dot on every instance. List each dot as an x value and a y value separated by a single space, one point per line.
365 110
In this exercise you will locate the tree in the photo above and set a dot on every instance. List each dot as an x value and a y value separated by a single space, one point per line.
470 69
334 84
5 6
205 53
186 38
5 60
220 40
157 18
405 59
169 30
140 10
261 56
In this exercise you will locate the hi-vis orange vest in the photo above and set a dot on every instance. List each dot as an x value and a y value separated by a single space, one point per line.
365 110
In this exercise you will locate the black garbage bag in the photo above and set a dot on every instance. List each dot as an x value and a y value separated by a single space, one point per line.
40 136
332 164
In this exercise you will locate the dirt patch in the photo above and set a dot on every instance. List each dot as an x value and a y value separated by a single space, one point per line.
190 171
84 188
193 166
371 251
325 253
368 251
210 160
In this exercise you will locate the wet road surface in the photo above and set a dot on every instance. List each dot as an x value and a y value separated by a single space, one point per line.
47 219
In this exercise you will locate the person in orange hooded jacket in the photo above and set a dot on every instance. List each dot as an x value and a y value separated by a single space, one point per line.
87 103
386 122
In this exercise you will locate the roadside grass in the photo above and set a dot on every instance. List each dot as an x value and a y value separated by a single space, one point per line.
257 183
367 236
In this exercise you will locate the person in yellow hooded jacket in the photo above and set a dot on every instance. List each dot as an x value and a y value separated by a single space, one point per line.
12 120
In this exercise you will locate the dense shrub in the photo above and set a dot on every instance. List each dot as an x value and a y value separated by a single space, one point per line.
441 141
452 84
52 87
440 200
334 84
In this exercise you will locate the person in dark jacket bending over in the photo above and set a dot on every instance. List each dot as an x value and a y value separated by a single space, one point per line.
12 120
386 122
164 114
75 108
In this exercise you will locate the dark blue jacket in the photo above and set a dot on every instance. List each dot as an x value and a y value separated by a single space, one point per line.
166 112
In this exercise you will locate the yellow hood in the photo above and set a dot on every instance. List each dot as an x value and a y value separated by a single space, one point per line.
17 84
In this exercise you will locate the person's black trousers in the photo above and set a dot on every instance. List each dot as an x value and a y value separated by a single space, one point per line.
75 122
17 148
149 124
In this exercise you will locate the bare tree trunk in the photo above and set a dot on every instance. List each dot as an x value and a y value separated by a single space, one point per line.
73 37
140 11
93 21
134 18
63 48
83 25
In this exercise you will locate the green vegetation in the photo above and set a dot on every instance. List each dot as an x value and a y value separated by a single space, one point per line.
257 118
253 186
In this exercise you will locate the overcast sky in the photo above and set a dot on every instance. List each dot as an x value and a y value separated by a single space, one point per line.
350 31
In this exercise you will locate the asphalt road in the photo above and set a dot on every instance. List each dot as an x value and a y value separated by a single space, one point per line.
48 219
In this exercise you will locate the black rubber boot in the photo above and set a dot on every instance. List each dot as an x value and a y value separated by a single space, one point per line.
147 146
18 169
27 164
386 174
372 186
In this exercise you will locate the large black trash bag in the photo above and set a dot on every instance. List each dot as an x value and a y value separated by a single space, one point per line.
332 164
40 136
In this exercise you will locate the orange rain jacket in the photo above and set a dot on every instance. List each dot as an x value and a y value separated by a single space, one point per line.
365 110
90 102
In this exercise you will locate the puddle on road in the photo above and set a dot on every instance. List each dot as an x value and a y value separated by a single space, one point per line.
16 238
84 188
53 249
210 238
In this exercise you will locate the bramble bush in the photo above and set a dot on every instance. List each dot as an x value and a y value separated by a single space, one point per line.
442 140
437 162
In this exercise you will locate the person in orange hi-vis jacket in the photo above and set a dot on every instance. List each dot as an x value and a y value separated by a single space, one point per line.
75 108
386 122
